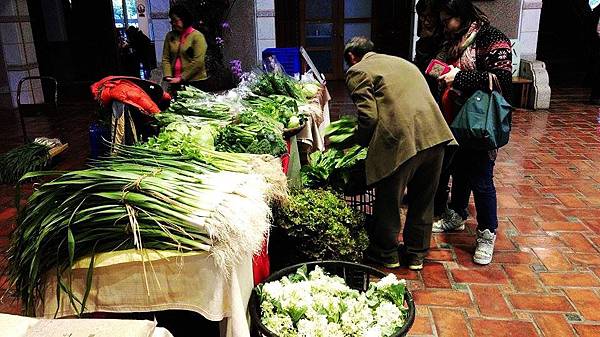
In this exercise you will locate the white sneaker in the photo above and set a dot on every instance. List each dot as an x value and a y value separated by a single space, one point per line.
485 247
450 221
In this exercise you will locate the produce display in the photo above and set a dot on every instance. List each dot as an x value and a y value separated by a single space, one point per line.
276 83
29 157
310 89
254 133
341 167
124 203
283 109
317 304
333 167
341 131
210 181
317 225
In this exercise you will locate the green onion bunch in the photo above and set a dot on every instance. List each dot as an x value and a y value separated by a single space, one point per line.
16 162
125 203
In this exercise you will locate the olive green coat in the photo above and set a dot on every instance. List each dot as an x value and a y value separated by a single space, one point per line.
397 115
193 53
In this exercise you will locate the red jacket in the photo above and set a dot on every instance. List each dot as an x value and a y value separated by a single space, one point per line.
126 90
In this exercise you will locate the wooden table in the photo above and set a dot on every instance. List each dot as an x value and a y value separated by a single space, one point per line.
525 85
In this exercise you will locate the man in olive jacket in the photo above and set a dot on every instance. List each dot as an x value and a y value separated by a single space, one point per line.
400 122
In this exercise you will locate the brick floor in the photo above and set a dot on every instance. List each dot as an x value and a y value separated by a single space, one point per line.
544 280
545 277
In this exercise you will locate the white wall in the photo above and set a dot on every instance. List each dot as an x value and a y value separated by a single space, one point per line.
265 26
17 46
529 28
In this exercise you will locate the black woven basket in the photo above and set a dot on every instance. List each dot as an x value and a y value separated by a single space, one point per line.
357 276
362 202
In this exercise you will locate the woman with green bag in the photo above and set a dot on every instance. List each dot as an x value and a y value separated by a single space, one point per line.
474 49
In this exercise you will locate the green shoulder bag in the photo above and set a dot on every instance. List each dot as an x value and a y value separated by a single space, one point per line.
484 121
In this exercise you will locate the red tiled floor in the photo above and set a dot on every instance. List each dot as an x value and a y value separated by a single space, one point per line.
493 328
540 302
481 275
584 259
587 330
490 301
553 259
553 325
435 276
578 242
450 323
514 257
422 326
587 303
576 279
451 298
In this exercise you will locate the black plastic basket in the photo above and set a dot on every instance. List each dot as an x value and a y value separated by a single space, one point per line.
357 276
362 202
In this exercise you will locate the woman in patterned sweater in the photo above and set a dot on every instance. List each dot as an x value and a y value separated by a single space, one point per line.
475 50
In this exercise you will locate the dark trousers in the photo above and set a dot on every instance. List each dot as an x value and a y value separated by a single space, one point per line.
420 176
474 171
440 204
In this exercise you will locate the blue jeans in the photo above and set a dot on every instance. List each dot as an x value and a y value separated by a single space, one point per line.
474 171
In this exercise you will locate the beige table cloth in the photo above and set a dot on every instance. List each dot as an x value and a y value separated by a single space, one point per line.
318 111
165 281
18 326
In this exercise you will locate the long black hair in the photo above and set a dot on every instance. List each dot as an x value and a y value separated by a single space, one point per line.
182 12
463 9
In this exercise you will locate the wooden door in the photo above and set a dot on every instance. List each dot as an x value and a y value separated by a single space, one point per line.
326 25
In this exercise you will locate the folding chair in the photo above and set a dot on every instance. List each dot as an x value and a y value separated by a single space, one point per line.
49 106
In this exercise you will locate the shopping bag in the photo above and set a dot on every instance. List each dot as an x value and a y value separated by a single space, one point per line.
484 121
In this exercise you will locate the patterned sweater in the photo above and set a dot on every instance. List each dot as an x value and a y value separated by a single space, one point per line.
493 54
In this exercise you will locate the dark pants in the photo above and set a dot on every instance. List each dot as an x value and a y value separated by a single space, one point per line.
440 204
420 176
474 171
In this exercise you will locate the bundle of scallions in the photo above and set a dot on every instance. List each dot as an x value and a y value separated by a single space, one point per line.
16 162
141 198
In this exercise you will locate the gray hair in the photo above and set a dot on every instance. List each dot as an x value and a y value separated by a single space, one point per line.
358 46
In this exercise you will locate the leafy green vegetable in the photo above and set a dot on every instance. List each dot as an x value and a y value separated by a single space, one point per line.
252 133
192 92
184 138
195 107
338 169
277 107
341 131
317 225
275 83
310 89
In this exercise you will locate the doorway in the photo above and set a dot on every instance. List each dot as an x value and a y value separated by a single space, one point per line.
325 25
322 27
565 44
74 41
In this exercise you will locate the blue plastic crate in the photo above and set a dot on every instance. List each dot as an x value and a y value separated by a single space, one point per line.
289 58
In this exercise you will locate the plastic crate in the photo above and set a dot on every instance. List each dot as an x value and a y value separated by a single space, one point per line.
362 202
289 58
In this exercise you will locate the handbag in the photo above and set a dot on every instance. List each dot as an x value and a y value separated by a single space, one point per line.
484 121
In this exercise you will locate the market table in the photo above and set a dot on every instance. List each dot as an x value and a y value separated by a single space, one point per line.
18 326
165 281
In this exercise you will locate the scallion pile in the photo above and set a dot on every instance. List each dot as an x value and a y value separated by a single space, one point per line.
126 202
16 162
